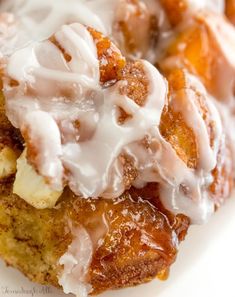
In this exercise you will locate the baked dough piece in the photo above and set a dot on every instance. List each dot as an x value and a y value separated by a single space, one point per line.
177 172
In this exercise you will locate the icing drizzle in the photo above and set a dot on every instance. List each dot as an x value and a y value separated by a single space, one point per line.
66 99
67 154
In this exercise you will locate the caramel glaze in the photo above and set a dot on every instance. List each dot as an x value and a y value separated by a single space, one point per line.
134 237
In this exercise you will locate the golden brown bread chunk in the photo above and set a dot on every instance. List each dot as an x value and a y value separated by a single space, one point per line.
204 47
173 127
111 60
138 241
182 138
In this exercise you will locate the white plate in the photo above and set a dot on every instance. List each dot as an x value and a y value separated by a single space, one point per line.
204 268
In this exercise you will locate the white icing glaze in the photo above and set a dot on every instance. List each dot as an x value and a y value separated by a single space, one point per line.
183 189
87 175
37 20
35 71
111 138
212 5
190 183
194 120
228 120
76 262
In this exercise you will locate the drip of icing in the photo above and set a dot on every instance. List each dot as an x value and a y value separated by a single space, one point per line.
182 190
35 124
195 185
228 120
190 183
194 120
76 262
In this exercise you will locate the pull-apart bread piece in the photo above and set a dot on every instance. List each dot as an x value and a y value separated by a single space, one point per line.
204 45
118 240
105 161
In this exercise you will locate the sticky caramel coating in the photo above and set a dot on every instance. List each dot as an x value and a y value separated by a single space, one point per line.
137 86
111 60
138 241
175 10
180 136
230 10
